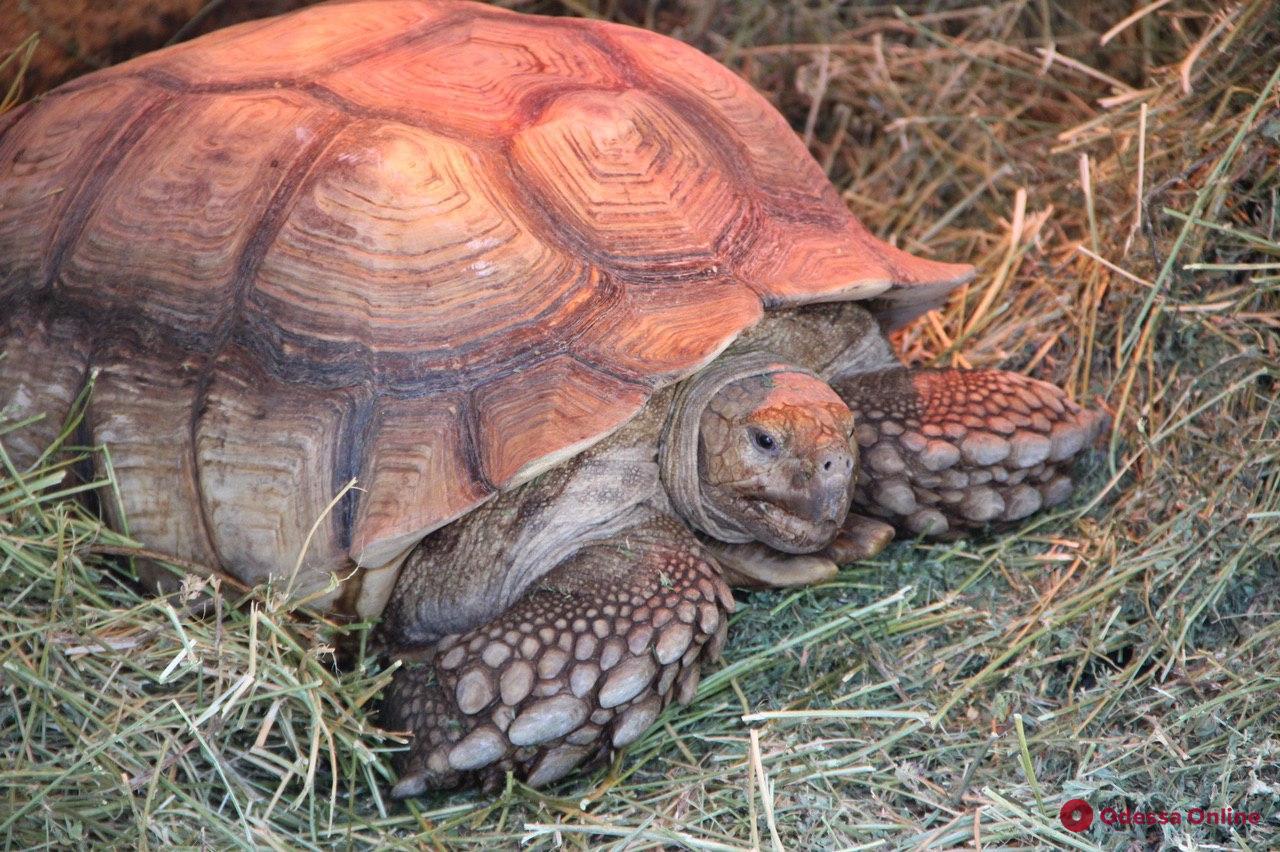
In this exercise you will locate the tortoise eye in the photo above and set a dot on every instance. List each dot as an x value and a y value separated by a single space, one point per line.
763 440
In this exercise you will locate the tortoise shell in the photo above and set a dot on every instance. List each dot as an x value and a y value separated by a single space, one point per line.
434 247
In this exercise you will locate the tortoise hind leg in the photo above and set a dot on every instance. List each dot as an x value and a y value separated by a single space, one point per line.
580 665
944 451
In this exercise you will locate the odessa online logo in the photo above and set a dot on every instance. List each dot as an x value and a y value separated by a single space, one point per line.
1077 815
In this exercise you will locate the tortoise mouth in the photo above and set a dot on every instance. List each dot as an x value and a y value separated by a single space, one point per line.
771 522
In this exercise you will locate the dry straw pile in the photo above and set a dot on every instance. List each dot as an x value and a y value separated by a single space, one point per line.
1112 167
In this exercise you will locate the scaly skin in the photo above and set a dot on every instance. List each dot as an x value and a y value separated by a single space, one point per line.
946 451
582 664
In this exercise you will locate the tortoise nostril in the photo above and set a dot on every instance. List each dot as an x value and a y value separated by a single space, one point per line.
833 464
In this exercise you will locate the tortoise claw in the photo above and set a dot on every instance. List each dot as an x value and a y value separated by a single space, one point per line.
860 538
757 566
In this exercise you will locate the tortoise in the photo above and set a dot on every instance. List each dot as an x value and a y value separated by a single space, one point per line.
572 305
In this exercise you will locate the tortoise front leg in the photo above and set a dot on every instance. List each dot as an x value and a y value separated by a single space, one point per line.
945 451
581 665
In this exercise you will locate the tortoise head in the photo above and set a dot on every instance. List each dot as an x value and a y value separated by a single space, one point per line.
775 459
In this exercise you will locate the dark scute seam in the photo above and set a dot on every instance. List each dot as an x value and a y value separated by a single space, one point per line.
531 108
471 443
350 451
529 202
627 378
82 436
176 82
417 120
317 92
84 197
251 256
303 360
615 56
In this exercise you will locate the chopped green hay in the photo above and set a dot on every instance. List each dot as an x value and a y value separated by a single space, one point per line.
1122 201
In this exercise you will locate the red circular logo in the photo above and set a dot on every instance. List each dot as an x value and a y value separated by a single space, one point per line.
1076 815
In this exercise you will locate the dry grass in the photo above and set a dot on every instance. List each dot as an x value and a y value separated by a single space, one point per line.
1121 201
